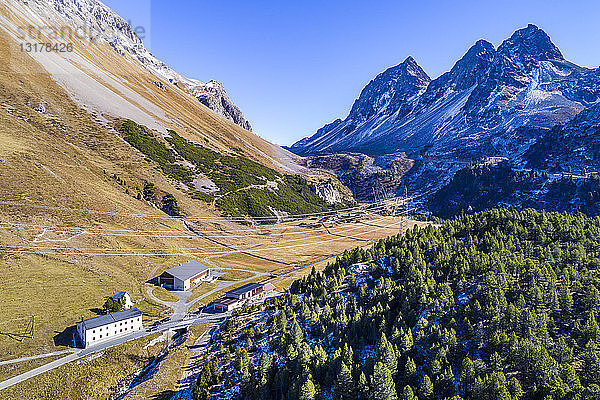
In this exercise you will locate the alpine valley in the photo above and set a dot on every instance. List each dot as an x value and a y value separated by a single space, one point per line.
521 108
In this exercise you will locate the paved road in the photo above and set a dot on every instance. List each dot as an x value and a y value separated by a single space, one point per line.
56 353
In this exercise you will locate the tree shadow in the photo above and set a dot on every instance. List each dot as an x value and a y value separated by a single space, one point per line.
67 338
165 395
98 311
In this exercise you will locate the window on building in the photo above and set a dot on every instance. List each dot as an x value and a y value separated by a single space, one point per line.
94 338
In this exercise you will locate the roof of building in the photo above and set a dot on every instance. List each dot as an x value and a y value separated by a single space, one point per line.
225 301
118 294
110 318
187 270
268 287
246 288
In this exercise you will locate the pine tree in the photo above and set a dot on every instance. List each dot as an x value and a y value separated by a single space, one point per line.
495 362
467 375
408 394
344 385
386 354
426 389
384 387
307 390
410 370
296 334
514 387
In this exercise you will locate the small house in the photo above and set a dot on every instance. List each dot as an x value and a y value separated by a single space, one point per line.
251 291
123 299
225 304
244 294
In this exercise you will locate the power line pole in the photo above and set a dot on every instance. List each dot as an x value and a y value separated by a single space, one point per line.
405 218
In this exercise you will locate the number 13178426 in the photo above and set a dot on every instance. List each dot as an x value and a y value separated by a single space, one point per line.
47 47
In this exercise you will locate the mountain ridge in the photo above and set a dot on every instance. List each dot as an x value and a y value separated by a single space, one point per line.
525 81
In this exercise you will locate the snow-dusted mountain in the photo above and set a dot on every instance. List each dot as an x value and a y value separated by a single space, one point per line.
94 21
470 111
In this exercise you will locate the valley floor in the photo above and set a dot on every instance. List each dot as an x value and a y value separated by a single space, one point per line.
59 274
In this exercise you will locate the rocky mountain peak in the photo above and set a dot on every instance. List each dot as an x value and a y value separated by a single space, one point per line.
390 90
472 68
482 52
530 45
411 67
464 112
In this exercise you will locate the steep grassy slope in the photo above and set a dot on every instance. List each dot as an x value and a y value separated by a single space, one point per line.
237 185
62 158
112 85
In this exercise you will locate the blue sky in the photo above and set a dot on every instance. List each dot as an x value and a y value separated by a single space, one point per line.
292 66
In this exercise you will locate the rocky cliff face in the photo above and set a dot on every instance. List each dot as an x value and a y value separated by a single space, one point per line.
574 146
328 192
526 81
213 96
94 21
368 178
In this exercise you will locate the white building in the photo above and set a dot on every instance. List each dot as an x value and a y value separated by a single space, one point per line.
106 327
123 299
184 276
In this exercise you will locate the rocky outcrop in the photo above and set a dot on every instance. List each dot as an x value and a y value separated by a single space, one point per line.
492 103
369 178
213 96
328 192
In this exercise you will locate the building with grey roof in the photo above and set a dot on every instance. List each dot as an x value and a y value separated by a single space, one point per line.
123 299
184 276
249 293
110 326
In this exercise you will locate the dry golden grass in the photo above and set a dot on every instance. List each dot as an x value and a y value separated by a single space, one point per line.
10 370
164 295
198 291
90 378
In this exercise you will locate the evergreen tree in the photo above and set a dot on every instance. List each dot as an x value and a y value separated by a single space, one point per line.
408 394
307 390
426 389
384 387
344 385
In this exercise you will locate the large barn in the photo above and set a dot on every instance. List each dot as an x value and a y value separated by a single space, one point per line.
184 276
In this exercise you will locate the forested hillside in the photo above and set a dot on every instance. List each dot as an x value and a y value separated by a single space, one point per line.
238 186
497 305
481 187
